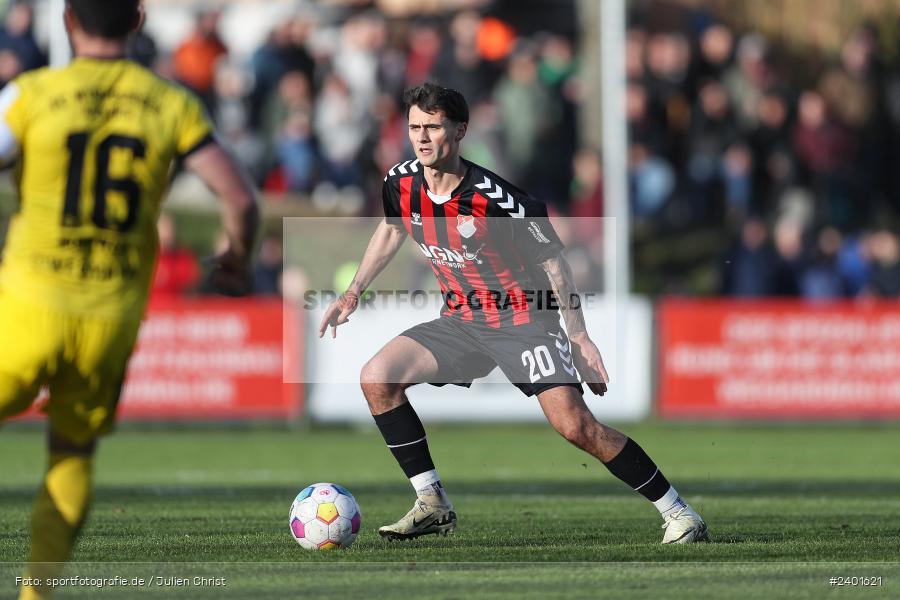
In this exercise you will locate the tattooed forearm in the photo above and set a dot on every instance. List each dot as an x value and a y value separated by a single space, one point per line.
560 274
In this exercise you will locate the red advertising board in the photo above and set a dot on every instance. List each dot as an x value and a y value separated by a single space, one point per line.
214 359
778 360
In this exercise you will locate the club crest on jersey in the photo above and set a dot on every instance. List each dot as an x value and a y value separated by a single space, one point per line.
415 218
465 225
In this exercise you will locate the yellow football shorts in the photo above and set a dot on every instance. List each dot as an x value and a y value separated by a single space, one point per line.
82 358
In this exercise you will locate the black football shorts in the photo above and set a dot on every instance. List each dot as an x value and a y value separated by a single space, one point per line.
534 357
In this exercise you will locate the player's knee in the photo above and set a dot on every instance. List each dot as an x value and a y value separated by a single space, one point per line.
576 429
374 380
369 376
571 430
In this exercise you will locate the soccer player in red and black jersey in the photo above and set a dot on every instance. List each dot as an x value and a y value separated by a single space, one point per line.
504 279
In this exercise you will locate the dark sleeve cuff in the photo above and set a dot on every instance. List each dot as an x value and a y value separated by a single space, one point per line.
547 253
204 141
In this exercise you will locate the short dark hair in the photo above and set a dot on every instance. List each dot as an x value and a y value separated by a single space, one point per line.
110 19
432 98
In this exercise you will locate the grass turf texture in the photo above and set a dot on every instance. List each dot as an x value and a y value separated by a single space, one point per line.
780 497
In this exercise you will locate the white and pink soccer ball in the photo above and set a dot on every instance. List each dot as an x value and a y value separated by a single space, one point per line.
325 516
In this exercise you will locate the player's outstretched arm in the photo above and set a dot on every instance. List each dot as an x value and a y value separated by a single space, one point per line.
587 356
220 171
384 244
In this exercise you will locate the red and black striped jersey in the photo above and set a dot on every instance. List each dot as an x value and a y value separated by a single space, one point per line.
485 243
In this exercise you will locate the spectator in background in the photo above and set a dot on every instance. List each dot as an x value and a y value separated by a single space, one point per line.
712 130
822 279
483 138
773 157
423 46
391 142
666 79
293 94
288 126
747 80
853 263
363 37
749 268
141 48
10 66
17 37
737 176
233 117
635 49
285 50
587 184
194 61
460 66
586 210
527 112
644 126
652 181
791 257
177 270
557 69
269 267
848 88
296 154
341 131
885 276
850 91
716 52
824 148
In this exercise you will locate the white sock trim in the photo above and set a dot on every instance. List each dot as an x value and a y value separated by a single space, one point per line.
669 500
648 481
421 439
425 479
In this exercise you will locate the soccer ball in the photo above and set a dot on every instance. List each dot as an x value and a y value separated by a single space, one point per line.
324 516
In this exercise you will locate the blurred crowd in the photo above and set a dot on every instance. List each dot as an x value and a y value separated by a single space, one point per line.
315 111
792 154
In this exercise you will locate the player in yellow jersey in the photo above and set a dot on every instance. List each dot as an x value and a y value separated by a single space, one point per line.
94 146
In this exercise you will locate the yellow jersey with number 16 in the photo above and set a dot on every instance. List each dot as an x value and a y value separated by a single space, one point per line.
97 141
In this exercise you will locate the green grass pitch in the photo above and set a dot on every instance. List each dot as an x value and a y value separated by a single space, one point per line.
788 508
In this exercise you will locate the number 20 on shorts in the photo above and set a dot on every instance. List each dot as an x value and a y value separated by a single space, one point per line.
538 359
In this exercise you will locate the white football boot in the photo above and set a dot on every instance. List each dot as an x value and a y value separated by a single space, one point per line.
423 519
685 527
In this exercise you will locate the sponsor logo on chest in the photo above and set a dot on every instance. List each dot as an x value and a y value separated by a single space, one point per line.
455 259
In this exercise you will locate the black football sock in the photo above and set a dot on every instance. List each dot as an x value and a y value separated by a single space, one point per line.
640 473
404 435
403 432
